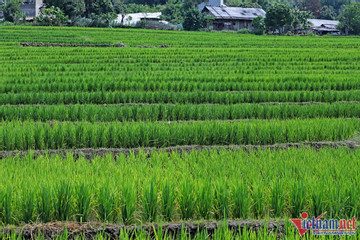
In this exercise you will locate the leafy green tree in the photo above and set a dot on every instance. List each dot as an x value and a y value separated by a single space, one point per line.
259 25
119 6
102 7
173 11
337 5
194 20
350 19
314 6
103 20
241 3
278 16
300 19
328 12
52 16
11 10
71 8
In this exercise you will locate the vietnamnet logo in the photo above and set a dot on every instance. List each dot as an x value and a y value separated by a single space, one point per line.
326 226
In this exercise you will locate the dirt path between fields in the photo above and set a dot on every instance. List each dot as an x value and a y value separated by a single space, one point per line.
119 44
90 230
90 153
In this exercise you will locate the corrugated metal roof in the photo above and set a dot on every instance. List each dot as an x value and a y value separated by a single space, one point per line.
235 12
133 18
323 22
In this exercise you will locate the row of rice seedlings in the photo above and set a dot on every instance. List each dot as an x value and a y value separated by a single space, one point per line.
184 40
224 61
63 202
213 185
103 97
93 85
262 79
58 135
162 112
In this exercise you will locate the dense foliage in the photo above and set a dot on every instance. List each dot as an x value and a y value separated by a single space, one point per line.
350 19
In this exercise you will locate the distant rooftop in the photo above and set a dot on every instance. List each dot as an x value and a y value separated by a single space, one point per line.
133 18
235 12
323 22
323 25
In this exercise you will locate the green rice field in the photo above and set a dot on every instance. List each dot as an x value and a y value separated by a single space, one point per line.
204 90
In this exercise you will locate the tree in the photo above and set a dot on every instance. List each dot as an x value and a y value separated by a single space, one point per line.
328 12
337 5
102 7
259 25
194 20
314 6
173 12
278 16
350 19
11 10
71 8
241 3
52 16
300 19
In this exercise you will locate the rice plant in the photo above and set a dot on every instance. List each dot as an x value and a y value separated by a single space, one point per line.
63 201
168 197
298 196
241 200
187 200
221 200
150 202
106 203
128 203
45 203
84 200
205 198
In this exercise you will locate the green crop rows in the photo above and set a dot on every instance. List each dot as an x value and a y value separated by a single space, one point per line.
205 89
135 189
184 112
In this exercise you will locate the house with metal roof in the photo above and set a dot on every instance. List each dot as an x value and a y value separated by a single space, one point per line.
322 26
230 18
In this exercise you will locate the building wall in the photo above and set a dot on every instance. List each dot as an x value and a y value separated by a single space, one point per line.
234 25
39 4
29 9
32 8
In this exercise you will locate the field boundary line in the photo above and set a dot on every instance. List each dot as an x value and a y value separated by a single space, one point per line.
89 153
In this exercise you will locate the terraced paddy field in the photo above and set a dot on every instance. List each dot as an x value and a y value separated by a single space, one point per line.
216 135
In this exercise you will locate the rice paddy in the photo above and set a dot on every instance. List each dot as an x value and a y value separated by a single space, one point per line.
206 89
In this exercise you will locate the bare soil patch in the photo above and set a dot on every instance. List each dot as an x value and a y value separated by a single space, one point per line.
90 153
90 230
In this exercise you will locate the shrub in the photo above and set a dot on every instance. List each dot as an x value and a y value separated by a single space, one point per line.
244 31
51 17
